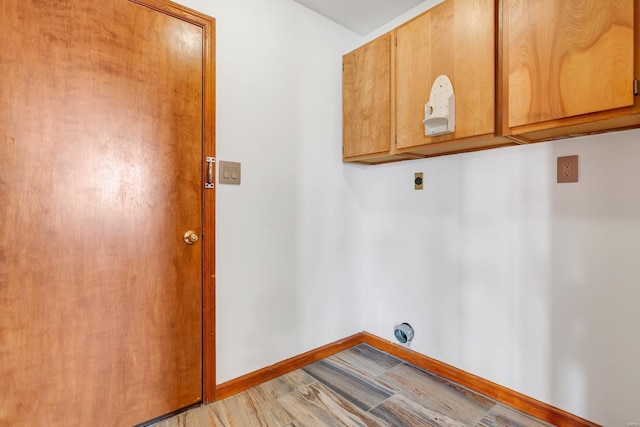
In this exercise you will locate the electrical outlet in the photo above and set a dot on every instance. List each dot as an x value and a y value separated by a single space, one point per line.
632 424
567 169
417 181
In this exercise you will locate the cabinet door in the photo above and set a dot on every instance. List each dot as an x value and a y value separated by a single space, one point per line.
455 38
565 58
366 99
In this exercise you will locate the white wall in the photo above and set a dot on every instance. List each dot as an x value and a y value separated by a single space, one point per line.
502 272
506 274
287 237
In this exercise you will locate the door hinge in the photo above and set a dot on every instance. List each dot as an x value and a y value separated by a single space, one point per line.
396 41
209 183
636 88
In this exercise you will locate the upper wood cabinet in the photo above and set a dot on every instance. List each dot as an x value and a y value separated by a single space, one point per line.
457 39
545 70
387 82
568 66
366 100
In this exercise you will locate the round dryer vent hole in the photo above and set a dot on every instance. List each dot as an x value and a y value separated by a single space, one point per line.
404 333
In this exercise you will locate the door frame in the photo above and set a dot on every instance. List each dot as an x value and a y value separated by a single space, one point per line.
207 24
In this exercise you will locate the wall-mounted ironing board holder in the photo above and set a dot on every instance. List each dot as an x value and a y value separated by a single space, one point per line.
440 111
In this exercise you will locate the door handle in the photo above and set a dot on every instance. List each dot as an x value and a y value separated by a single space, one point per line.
190 237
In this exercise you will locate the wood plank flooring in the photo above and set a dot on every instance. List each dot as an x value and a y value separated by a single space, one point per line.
361 386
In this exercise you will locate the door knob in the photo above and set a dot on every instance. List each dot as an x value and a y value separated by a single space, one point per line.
190 237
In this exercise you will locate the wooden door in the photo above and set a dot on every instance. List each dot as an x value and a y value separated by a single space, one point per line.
366 99
455 38
564 58
102 137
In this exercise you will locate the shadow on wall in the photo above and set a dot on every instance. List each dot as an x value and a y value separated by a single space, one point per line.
506 274
595 247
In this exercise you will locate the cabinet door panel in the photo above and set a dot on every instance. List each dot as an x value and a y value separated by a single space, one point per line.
366 99
456 38
568 57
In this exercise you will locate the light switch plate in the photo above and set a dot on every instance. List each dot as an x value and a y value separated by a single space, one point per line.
229 173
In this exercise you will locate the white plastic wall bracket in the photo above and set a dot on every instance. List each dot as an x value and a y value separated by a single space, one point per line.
440 111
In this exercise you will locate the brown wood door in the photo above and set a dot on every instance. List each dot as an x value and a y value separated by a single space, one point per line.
101 168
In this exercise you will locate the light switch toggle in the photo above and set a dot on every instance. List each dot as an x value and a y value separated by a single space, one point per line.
440 111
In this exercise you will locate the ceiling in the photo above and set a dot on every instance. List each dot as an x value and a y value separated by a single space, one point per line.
360 16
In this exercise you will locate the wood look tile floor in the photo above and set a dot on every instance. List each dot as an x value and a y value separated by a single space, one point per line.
361 386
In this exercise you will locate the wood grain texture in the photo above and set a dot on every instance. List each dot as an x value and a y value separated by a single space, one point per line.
362 392
255 406
251 408
503 416
436 394
578 126
366 99
487 388
566 58
380 159
464 145
346 391
399 410
441 149
348 356
363 361
101 141
455 38
318 405
252 379
208 25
